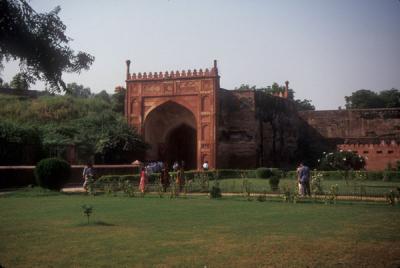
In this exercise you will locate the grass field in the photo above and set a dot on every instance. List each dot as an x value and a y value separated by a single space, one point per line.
49 230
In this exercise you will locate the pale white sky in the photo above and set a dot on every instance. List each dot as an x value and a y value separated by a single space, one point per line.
326 49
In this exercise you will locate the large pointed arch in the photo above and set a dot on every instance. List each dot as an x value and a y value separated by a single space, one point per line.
171 130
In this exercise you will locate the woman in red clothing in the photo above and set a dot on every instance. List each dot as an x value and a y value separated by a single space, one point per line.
143 180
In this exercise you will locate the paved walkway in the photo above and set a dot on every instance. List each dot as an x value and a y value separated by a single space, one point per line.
79 189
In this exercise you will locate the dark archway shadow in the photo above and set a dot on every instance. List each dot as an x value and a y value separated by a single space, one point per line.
181 146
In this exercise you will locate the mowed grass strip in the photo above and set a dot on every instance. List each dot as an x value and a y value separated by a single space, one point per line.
51 231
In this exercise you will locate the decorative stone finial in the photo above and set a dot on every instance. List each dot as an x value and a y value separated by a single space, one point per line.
286 93
128 64
215 64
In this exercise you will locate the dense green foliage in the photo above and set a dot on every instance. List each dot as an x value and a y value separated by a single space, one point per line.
365 99
52 173
89 124
342 160
301 105
19 143
263 173
274 183
38 40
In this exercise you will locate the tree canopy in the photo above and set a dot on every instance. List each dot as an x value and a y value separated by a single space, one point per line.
39 42
301 105
366 99
88 123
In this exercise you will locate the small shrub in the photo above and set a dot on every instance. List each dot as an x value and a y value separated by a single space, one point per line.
262 197
263 173
215 192
52 173
316 183
331 197
391 197
289 195
274 183
342 160
87 211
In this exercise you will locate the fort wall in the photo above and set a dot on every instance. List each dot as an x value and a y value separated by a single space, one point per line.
377 156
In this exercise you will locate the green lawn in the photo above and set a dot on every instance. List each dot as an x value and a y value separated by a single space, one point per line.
51 231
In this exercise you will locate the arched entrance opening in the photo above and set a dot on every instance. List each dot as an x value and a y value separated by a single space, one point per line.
170 129
181 145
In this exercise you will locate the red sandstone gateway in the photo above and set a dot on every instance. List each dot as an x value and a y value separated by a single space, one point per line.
176 113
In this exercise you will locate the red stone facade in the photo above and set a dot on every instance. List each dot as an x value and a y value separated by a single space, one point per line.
187 116
176 113
371 133
377 156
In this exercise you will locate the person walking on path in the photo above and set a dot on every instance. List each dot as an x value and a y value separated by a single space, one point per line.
298 177
305 179
143 180
165 179
180 178
87 175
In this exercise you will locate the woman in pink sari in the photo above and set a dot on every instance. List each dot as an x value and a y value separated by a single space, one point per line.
143 180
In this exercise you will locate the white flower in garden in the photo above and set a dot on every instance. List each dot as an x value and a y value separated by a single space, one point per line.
323 152
319 160
341 151
344 158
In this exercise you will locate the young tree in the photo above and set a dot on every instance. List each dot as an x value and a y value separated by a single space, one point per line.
19 82
79 91
38 40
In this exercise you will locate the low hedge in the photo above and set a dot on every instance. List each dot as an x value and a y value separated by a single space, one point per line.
238 174
351 175
189 175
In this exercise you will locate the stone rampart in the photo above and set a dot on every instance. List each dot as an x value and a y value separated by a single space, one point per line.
377 156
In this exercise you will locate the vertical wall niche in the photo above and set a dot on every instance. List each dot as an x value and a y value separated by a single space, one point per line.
205 101
133 104
205 132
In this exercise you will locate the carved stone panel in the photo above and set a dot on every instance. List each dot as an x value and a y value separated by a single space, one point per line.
188 87
151 89
168 88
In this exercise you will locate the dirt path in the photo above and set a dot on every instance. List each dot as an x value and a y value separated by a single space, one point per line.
79 189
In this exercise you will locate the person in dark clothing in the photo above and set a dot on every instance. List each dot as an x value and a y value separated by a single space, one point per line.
305 179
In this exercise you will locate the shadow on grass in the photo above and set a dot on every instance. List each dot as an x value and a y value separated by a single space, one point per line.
94 223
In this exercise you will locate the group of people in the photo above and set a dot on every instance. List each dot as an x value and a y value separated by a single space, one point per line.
165 178
152 167
303 180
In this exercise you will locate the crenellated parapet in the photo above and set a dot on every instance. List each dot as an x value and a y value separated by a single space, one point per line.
377 156
213 72
382 145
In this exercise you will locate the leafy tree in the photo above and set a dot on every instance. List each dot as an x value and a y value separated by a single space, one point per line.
20 82
304 105
118 101
245 87
301 105
391 98
342 160
78 91
103 95
89 124
19 144
363 99
38 40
